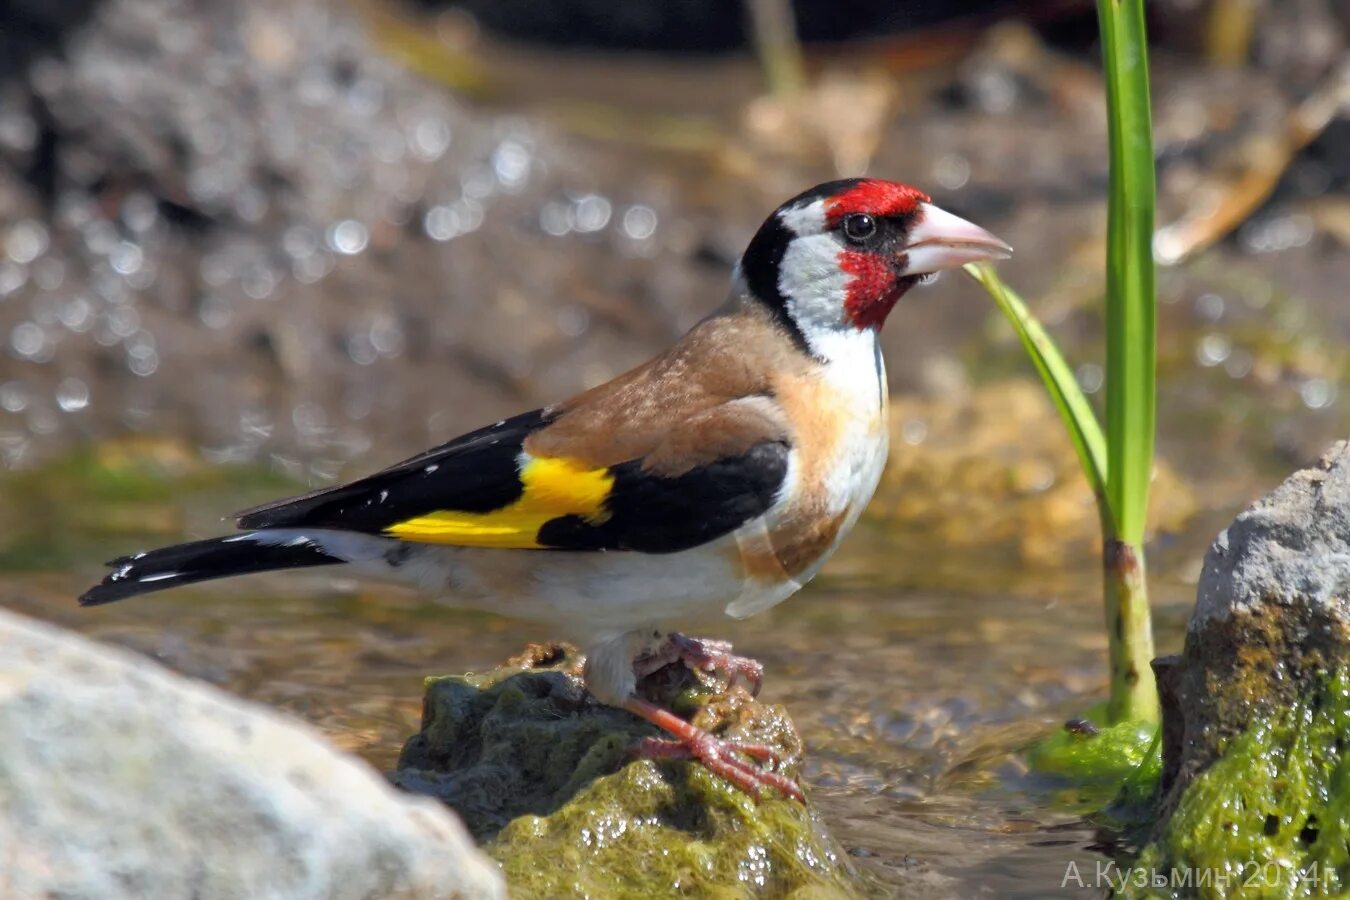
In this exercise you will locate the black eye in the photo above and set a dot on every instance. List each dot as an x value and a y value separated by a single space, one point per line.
858 227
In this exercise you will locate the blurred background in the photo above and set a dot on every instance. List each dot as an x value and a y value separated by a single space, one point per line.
248 246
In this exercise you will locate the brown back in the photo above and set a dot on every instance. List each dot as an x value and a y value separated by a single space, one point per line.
709 396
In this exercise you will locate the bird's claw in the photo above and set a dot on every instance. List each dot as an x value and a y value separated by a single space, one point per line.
720 757
703 655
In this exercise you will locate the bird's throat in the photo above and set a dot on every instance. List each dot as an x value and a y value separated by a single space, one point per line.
874 287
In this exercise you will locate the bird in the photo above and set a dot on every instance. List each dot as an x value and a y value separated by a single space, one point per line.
714 480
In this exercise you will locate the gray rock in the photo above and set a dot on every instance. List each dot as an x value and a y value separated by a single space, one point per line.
1272 619
1291 547
119 779
1255 709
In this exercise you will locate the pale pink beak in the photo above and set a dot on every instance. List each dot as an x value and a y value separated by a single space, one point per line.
940 240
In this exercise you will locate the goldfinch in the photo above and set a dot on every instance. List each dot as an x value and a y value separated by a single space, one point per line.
714 480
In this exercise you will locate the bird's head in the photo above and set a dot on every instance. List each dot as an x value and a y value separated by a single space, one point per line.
837 257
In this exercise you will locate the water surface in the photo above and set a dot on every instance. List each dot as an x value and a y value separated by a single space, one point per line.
913 702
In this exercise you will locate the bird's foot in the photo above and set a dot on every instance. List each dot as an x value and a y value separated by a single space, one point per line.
719 756
702 655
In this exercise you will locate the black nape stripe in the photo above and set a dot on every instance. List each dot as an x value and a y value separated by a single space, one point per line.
763 259
762 262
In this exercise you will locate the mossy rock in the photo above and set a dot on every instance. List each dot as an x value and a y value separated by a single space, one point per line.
1271 816
544 777
1255 787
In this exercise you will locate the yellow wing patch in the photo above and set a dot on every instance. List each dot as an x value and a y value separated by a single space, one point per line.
553 487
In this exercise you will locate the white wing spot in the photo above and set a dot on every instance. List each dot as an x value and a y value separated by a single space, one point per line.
431 468
157 577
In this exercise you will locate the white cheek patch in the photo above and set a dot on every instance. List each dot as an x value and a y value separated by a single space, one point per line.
814 285
806 219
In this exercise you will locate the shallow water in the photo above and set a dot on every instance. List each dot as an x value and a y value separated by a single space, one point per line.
912 702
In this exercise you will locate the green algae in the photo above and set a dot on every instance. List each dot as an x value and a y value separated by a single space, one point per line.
1271 816
544 777
641 832
1116 764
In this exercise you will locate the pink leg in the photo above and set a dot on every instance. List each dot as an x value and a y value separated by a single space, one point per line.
717 755
702 655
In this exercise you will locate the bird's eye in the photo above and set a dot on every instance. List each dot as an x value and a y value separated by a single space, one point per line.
859 227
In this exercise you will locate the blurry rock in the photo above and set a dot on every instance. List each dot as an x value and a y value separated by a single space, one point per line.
1012 71
118 779
840 117
1257 708
544 775
993 467
239 221
35 26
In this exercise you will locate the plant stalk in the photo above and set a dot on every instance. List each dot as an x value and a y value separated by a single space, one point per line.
774 30
1134 695
1131 350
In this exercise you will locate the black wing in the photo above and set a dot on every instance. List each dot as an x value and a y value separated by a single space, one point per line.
658 514
472 492
475 473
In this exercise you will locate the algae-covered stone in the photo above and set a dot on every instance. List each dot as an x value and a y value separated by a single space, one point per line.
1272 617
1270 817
1256 784
545 777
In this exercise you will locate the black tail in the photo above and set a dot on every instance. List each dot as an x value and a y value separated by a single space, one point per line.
240 554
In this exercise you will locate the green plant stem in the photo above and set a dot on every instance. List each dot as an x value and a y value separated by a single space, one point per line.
774 30
1130 297
1131 342
1134 694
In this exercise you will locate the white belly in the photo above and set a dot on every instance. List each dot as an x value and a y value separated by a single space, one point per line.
586 593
